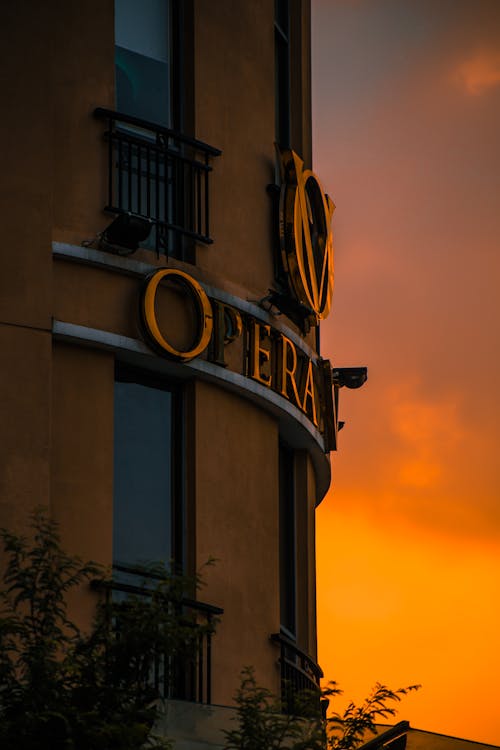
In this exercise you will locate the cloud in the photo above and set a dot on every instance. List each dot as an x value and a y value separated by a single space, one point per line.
401 607
406 139
417 456
480 72
428 433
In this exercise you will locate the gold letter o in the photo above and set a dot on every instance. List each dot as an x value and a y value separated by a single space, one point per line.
203 308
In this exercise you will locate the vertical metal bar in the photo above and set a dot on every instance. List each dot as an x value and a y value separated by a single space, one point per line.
186 196
199 229
200 668
285 692
156 673
166 676
170 177
120 180
175 186
157 200
209 667
166 182
207 217
190 219
129 176
111 146
172 186
148 181
139 179
181 199
182 204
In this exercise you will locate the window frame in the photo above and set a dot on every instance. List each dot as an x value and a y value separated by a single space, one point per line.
180 41
287 499
125 373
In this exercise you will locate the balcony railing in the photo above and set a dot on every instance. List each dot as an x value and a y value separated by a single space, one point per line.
185 674
300 678
160 175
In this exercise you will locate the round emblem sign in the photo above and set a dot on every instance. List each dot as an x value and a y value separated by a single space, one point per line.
203 312
306 236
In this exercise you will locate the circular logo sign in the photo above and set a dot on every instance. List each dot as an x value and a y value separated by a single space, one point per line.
306 236
203 312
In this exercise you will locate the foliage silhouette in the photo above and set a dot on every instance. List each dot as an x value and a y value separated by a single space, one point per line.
65 689
262 723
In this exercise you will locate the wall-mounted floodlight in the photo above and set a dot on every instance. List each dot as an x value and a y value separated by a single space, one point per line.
351 377
125 233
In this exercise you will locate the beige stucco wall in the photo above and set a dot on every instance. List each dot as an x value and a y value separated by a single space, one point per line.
234 80
82 449
56 400
82 55
25 416
237 523
53 74
26 140
96 298
82 461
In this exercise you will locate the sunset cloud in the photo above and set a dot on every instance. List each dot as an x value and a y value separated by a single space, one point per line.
480 73
427 432
407 109
411 609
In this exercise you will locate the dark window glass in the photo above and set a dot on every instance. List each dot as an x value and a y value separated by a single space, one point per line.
282 72
287 541
151 55
144 466
281 13
144 60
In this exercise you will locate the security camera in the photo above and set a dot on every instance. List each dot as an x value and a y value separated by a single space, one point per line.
351 377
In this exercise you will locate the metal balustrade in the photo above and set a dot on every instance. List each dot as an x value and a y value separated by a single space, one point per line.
300 678
159 175
185 674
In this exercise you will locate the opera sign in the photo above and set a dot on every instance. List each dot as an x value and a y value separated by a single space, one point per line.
306 241
267 355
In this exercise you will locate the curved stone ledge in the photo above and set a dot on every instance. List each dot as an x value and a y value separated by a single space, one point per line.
299 431
131 267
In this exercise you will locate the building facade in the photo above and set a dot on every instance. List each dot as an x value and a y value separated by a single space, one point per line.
166 262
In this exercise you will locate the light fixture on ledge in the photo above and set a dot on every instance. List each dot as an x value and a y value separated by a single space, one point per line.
125 233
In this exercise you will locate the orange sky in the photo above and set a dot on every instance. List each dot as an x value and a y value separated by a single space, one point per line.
406 112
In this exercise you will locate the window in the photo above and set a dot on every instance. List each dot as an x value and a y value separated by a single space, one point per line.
154 176
287 556
147 510
145 60
282 72
292 71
